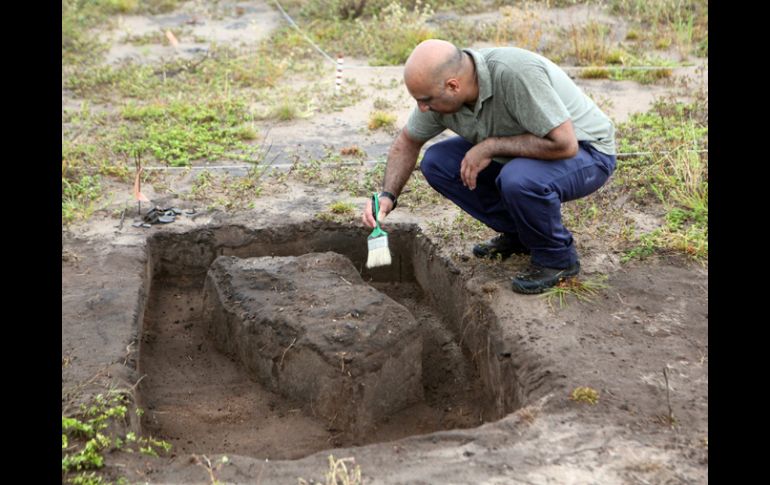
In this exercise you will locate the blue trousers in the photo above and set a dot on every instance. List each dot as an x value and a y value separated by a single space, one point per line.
522 197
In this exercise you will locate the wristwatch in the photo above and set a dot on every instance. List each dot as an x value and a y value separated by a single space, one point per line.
390 196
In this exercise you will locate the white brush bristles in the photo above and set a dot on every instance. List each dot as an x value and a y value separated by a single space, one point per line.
379 253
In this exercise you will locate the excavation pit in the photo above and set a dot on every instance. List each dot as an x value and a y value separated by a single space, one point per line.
274 343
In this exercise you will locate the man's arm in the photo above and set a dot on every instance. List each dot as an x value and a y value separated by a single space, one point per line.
558 144
402 159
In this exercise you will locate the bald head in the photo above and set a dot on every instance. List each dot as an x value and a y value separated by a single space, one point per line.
431 62
440 77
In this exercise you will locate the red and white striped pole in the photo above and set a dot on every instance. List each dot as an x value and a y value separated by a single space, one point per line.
338 83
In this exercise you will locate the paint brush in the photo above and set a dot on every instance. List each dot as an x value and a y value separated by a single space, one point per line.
379 253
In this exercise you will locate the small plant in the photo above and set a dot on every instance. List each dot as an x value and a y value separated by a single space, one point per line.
583 291
338 212
381 119
342 208
307 172
585 394
205 462
339 474
645 247
528 414
288 109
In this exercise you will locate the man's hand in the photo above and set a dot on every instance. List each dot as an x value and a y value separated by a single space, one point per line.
386 205
476 159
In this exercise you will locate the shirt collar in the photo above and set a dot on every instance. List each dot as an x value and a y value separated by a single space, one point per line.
483 78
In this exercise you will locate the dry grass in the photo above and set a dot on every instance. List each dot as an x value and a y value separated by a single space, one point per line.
381 120
590 44
584 291
339 474
518 26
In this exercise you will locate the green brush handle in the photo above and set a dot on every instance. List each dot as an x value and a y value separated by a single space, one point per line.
376 208
375 211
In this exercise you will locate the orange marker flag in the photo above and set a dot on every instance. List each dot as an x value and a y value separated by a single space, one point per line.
138 195
172 39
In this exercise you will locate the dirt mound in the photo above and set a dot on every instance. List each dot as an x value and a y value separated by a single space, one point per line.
311 329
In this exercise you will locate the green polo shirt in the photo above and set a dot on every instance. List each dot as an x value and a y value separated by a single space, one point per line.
519 92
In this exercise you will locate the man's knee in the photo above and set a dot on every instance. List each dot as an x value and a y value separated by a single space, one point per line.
513 184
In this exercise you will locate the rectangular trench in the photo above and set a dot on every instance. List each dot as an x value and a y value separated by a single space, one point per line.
205 402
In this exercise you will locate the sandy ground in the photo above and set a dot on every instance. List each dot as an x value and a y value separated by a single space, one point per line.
131 314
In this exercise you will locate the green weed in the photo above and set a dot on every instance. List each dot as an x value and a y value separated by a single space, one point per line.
642 76
79 197
674 175
85 437
179 133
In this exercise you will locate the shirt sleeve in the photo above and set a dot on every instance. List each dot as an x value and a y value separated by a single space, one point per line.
533 101
423 126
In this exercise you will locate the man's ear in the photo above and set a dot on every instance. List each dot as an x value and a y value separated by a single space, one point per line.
453 85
